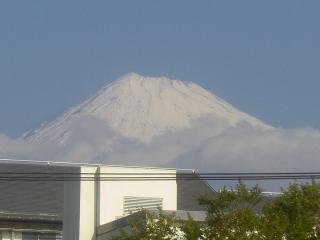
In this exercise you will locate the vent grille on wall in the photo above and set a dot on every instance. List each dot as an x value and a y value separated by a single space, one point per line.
134 204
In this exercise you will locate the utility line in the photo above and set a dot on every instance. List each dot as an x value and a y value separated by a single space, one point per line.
166 173
68 176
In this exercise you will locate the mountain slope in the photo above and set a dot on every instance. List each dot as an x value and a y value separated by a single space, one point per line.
141 108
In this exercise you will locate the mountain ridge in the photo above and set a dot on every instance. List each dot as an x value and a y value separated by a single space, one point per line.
141 108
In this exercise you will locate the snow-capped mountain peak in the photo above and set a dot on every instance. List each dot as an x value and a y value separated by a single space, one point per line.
141 108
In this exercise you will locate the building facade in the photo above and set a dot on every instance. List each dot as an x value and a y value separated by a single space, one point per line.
75 201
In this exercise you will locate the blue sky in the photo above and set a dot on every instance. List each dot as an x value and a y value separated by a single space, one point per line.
261 56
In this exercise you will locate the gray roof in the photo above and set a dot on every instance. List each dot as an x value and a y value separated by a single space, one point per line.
189 192
31 198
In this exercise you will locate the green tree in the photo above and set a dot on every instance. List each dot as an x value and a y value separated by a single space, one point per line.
231 214
294 215
191 229
155 226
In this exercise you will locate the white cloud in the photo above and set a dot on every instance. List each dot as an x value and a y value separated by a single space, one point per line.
245 149
204 146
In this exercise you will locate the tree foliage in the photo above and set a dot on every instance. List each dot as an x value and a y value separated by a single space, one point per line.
241 213
155 226
232 214
191 230
294 215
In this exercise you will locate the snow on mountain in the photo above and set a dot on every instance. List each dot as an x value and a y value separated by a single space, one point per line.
158 122
140 108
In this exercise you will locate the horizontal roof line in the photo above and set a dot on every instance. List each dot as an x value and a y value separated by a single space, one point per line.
17 161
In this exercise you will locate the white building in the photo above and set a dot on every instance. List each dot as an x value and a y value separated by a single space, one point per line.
94 203
90 198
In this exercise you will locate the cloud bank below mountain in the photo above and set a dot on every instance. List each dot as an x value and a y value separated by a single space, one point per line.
238 148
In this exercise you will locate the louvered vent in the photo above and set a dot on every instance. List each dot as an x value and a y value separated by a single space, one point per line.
134 204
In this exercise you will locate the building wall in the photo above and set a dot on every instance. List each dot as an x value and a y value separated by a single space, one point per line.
71 210
88 204
79 207
112 193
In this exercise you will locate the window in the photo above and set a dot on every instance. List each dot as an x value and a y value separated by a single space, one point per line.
40 236
16 235
8 235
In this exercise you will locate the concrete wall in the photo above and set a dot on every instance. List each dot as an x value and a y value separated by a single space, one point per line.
79 207
88 204
112 192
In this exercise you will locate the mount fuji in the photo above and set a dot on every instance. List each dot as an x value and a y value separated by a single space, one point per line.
159 122
142 108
